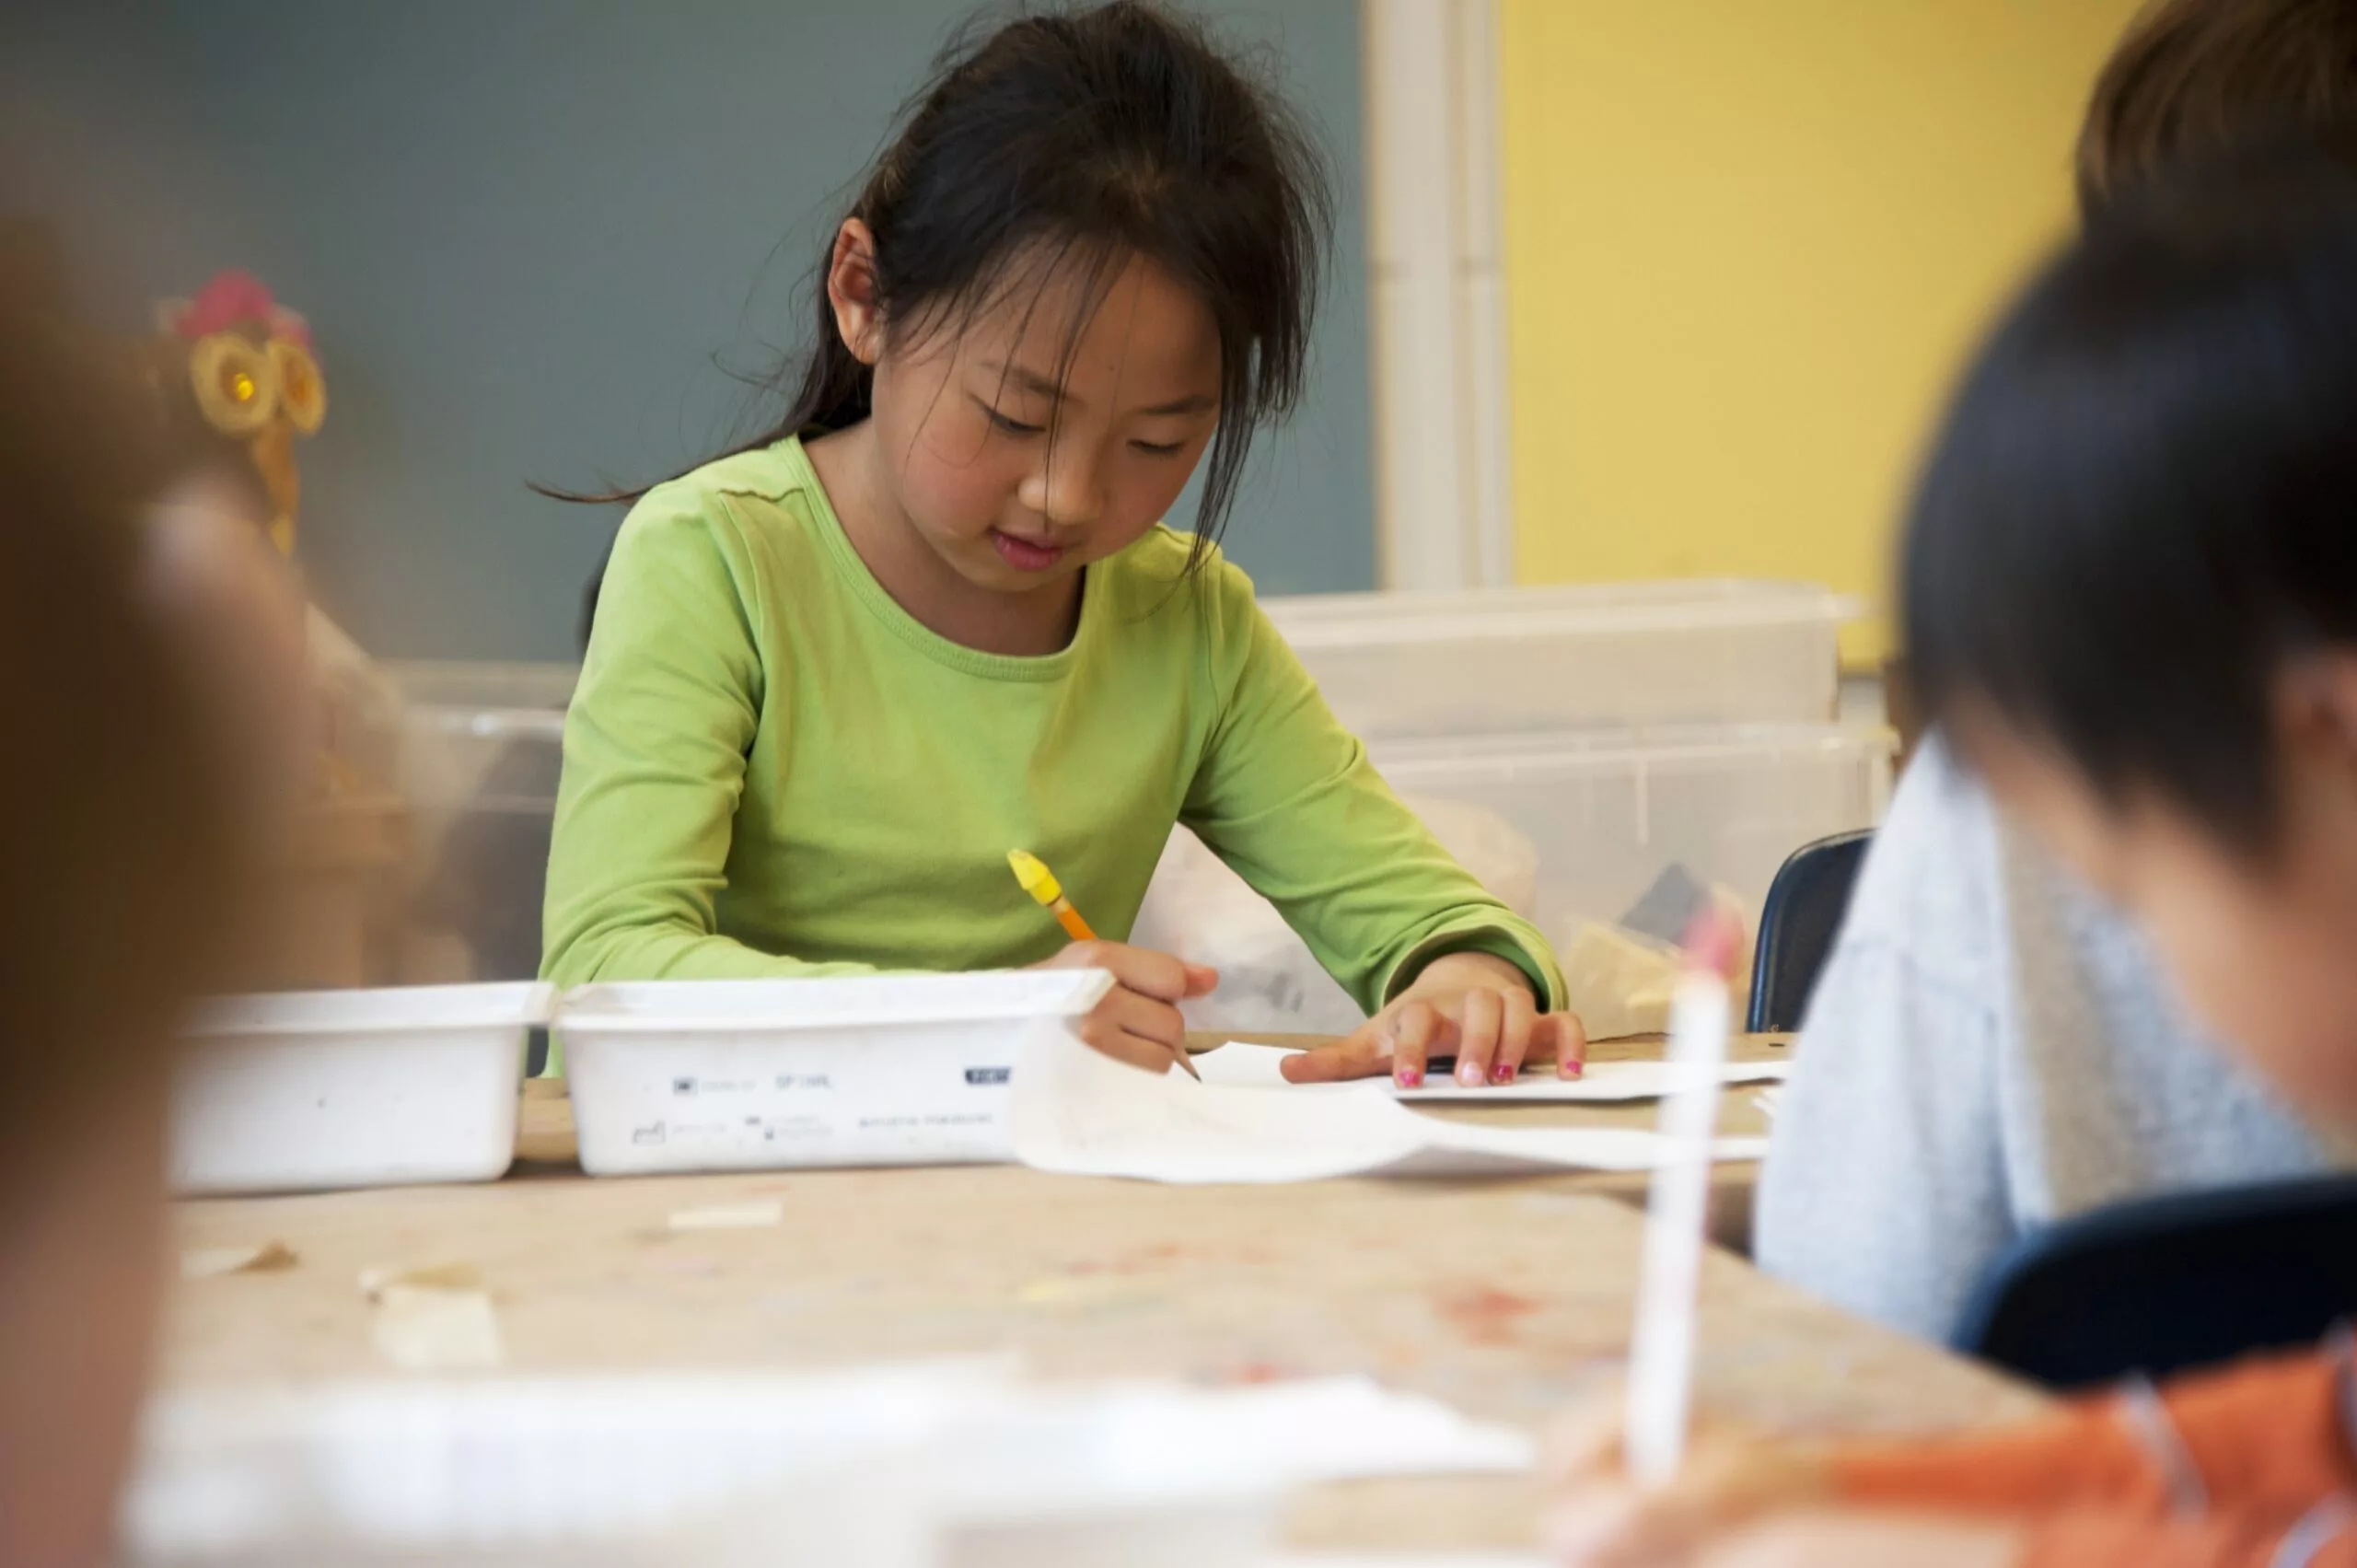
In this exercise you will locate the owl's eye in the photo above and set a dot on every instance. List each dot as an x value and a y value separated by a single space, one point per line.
235 385
302 394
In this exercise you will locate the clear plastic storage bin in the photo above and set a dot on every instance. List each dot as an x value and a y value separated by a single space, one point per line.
1705 650
481 749
1604 815
1608 814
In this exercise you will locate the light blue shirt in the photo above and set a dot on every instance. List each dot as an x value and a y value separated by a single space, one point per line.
1991 1049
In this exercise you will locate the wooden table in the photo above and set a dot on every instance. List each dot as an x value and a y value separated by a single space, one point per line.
1507 1298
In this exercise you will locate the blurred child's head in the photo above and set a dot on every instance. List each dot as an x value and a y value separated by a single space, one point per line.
1089 258
2131 587
134 761
2193 77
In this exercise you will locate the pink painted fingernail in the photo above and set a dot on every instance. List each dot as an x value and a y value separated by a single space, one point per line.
1574 1069
1410 1077
1502 1073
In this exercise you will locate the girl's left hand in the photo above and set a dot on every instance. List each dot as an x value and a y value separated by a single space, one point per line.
1473 1005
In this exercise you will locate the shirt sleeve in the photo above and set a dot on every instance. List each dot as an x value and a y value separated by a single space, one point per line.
1885 1190
1288 799
655 749
2326 1537
2209 1470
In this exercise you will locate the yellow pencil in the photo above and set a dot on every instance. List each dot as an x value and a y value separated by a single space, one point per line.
1041 883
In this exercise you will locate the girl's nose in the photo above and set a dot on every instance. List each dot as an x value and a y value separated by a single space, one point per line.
1067 487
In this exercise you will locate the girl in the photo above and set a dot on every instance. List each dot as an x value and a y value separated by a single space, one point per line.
2130 584
834 678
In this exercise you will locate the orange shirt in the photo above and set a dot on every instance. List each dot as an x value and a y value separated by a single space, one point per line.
2253 1465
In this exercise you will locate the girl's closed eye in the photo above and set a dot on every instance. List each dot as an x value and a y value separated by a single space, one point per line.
1158 449
1008 425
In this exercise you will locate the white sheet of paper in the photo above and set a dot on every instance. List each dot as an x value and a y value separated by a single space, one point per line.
1240 1065
1080 1113
758 1466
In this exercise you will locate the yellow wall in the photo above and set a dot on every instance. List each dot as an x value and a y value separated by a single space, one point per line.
1746 243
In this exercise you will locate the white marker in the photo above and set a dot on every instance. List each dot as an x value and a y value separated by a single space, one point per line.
1661 1352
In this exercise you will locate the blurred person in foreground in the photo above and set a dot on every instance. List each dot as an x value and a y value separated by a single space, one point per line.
2131 589
1991 1047
149 662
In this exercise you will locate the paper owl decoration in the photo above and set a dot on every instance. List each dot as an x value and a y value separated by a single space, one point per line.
249 371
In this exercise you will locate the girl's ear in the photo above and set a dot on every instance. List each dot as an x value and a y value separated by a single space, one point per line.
851 291
2316 718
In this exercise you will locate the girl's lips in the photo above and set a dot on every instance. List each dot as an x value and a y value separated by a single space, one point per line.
1024 555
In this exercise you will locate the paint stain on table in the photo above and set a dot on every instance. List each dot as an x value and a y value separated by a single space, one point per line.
1482 1313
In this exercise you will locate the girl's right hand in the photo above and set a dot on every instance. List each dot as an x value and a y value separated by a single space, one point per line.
1138 1021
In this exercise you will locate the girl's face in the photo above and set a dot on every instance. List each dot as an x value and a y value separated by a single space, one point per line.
1021 453
2263 949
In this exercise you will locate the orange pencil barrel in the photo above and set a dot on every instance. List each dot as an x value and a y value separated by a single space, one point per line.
1069 918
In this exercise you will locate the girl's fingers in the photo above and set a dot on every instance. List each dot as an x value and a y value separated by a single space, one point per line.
1481 1013
1152 1055
1414 1030
1146 1016
1518 1024
1140 969
1364 1052
1101 1034
1135 1030
1201 981
1562 1036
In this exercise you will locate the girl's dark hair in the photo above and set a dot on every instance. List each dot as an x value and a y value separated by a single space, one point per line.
2193 77
1079 139
2143 501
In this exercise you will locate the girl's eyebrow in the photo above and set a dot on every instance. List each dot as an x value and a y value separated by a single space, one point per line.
1029 380
1195 402
1046 387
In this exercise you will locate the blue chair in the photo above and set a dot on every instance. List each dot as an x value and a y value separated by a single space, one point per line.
1797 926
2164 1284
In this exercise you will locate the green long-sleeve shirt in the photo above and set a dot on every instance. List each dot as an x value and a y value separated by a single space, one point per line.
771 768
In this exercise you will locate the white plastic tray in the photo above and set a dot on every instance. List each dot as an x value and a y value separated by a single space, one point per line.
304 1090
670 1075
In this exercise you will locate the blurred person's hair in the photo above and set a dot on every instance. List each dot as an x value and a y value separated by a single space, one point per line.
2142 504
2192 78
1067 143
116 836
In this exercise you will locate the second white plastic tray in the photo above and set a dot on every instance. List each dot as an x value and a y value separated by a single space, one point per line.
673 1076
